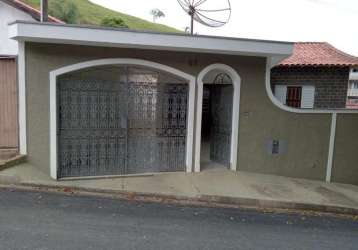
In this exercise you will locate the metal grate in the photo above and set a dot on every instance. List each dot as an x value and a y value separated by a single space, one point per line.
221 108
157 127
121 121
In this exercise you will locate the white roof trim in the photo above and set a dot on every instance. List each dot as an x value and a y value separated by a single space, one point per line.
97 36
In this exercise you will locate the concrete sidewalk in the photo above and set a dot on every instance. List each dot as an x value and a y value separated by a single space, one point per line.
212 186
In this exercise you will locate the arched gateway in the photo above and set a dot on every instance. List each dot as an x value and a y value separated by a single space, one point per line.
217 117
119 117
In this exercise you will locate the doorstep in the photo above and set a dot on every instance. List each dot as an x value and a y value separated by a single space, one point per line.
7 153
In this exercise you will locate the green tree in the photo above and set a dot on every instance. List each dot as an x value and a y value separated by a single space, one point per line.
66 11
114 22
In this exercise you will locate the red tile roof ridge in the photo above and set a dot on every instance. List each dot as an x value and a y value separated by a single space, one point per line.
318 54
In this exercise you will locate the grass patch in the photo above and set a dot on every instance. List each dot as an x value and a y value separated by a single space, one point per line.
93 14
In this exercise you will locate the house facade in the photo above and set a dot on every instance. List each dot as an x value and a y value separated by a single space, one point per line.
11 10
315 76
109 102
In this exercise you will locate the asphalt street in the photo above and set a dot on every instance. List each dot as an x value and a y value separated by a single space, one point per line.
32 220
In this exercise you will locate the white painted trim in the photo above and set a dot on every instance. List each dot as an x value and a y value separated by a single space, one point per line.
123 61
108 37
53 125
21 72
235 113
271 63
331 147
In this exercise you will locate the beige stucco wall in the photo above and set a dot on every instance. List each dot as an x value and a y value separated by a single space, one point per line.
307 135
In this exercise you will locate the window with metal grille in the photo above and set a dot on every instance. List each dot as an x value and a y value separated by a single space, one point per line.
294 96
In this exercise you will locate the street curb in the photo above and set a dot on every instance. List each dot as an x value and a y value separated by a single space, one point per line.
274 204
9 179
202 200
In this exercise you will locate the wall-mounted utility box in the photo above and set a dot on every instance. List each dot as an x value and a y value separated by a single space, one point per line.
276 146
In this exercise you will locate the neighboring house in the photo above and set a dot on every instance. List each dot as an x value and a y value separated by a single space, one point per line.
11 10
315 76
106 102
352 101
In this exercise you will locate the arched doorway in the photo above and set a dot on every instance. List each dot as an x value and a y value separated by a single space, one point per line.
217 121
119 117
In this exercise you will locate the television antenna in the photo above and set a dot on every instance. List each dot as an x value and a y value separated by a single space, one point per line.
207 12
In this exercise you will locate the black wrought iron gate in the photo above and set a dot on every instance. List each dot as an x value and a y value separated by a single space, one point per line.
221 113
135 124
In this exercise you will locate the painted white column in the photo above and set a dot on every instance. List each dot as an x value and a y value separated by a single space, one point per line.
199 114
331 147
53 126
21 72
190 129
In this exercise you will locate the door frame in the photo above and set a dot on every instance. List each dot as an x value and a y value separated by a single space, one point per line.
118 61
236 81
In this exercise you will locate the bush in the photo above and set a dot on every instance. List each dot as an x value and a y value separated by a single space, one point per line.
114 22
65 10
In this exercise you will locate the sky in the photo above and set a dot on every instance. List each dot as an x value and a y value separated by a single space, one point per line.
333 21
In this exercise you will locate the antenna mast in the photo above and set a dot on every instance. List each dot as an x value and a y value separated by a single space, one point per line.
206 12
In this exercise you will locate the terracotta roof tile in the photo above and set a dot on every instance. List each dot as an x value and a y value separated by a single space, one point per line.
318 54
35 13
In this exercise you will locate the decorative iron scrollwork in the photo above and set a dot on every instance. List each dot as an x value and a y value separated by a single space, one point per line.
109 125
221 108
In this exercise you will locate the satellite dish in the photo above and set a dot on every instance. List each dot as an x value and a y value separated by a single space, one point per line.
207 12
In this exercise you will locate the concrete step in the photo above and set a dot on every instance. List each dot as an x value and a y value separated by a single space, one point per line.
15 160
7 153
